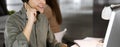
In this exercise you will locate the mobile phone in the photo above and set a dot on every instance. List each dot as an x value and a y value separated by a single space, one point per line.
36 11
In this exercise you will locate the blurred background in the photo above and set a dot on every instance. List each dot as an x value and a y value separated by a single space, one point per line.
82 18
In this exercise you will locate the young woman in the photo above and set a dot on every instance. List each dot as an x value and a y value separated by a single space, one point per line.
29 27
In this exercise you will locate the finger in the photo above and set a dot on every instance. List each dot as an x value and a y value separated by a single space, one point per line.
27 6
34 9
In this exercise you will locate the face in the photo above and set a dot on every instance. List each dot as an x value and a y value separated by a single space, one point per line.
39 5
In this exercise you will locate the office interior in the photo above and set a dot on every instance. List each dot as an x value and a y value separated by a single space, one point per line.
81 18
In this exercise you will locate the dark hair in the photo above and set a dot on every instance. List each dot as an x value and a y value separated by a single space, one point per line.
25 0
56 10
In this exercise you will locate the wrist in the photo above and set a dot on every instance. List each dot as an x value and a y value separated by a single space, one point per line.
30 22
64 45
26 35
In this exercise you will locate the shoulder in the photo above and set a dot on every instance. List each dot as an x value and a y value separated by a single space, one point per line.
13 17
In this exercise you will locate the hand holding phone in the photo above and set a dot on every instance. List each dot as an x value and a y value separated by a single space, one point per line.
31 13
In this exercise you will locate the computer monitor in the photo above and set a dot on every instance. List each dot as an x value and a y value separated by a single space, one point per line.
112 37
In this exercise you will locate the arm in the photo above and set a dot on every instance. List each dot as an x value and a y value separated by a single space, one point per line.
31 14
13 36
27 30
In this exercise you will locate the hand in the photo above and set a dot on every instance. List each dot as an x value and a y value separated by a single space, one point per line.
31 13
64 45
99 45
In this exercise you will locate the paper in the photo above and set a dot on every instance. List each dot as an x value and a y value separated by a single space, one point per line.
59 35
88 42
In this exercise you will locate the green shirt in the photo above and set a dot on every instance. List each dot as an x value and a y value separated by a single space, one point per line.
41 35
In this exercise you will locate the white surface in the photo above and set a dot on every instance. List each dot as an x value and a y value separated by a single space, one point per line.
15 5
13 1
114 5
74 46
106 13
59 35
109 29
89 42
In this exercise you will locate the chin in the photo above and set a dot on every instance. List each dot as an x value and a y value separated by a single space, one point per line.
41 11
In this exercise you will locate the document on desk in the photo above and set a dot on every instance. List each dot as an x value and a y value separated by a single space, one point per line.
89 42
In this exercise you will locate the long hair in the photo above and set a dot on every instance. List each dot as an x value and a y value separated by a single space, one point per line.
56 9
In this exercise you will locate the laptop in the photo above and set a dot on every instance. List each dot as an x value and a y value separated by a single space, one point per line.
112 37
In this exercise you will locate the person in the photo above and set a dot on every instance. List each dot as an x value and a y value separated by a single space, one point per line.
29 27
52 12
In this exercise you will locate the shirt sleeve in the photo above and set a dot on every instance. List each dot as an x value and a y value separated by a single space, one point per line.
51 41
13 36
